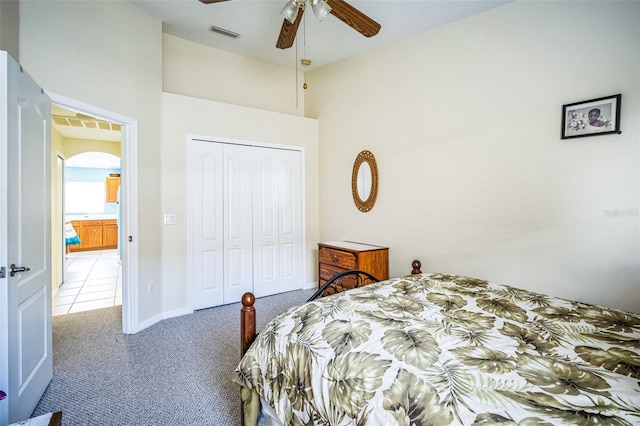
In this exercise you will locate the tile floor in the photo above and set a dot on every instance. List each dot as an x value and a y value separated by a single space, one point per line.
93 280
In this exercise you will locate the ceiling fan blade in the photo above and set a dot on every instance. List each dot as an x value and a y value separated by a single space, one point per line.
288 32
354 18
212 1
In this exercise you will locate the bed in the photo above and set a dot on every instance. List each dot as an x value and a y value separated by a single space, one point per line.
441 349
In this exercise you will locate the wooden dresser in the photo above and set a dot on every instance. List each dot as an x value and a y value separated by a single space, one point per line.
339 256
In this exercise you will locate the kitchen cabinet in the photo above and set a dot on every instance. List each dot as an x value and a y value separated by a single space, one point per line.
91 234
112 183
110 233
95 234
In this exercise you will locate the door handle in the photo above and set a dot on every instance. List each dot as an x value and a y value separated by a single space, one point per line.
15 269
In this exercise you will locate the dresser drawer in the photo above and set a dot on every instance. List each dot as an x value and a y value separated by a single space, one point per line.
338 258
328 271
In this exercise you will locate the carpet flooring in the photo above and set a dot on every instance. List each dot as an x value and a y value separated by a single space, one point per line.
176 372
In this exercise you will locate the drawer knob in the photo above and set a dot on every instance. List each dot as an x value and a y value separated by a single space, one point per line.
334 257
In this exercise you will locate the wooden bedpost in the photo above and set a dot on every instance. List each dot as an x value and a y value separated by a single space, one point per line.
416 265
247 322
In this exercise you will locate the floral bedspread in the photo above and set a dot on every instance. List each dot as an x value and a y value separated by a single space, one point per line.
437 349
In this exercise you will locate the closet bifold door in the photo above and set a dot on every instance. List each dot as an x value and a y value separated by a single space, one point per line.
277 221
238 214
245 221
206 255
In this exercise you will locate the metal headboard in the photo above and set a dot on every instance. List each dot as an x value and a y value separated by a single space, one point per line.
344 281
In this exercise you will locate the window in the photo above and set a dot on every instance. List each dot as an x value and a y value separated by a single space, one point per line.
84 197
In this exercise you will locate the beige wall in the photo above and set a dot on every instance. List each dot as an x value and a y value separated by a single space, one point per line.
83 50
464 121
465 124
57 146
186 115
200 71
78 146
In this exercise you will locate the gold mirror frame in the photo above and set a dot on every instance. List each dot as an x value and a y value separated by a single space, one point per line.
365 205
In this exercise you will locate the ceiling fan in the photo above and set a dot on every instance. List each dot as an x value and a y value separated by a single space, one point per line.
294 9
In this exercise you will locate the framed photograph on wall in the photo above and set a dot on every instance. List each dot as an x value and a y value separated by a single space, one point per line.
594 117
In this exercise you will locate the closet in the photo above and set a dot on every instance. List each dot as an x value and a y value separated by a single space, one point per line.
245 221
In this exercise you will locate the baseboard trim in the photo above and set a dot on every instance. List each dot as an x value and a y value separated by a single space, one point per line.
310 286
176 313
149 322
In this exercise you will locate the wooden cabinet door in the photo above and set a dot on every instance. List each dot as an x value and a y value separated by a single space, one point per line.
77 226
91 234
113 183
110 233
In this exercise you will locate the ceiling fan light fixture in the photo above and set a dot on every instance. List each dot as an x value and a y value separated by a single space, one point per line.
290 10
320 8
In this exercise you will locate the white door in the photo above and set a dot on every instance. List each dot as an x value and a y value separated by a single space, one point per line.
207 238
238 212
25 242
245 216
277 225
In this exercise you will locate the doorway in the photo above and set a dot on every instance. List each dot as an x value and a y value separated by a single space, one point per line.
128 201
90 259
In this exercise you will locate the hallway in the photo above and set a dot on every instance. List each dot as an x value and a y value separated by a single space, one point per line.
93 280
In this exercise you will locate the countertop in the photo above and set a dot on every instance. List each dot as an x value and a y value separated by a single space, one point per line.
71 217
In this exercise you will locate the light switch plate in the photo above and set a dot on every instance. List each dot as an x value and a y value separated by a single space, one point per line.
169 219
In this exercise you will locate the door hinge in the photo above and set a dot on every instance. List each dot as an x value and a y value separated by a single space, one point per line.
3 272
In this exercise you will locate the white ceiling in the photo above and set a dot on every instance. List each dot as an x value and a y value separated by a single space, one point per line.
259 22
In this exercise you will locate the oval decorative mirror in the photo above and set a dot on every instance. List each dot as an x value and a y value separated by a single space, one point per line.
364 181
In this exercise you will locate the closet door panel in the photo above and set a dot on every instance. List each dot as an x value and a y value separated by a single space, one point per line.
289 259
234 273
277 229
206 191
238 227
266 211
267 267
210 274
290 220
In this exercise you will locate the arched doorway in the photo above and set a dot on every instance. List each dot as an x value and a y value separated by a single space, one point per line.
92 214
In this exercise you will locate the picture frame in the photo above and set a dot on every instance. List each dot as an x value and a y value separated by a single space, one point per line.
594 117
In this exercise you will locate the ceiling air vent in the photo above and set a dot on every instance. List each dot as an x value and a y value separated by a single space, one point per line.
223 31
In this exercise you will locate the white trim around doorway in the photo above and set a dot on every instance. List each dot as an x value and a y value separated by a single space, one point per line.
129 199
